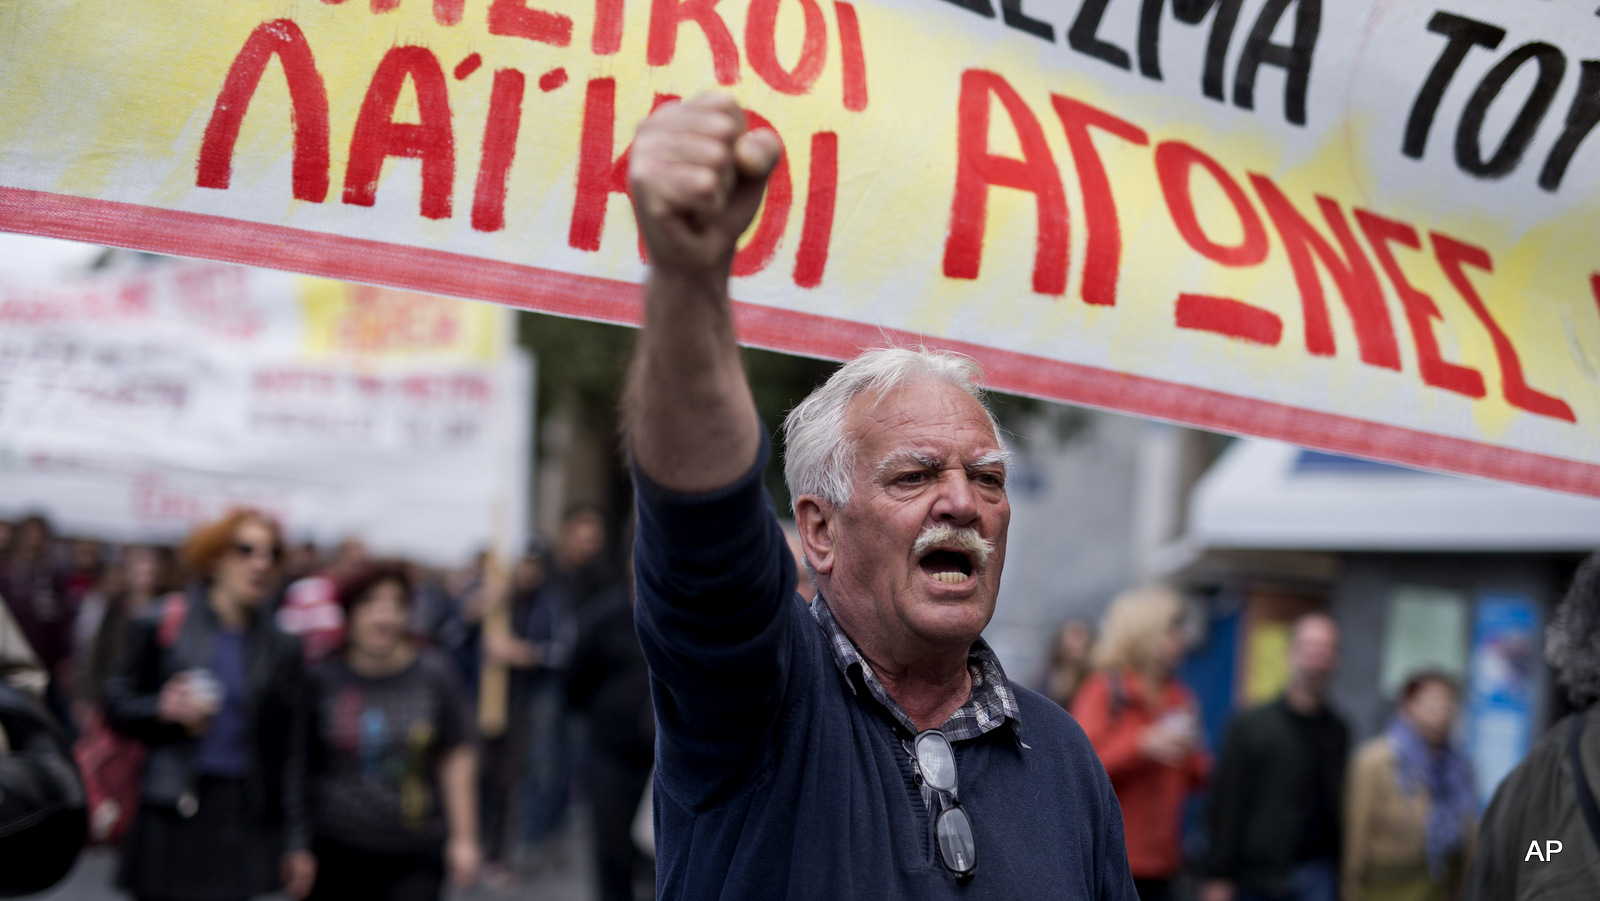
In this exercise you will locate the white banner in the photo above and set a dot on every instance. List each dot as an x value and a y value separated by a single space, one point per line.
136 405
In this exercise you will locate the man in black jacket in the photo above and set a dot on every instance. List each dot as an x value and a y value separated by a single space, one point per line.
42 821
1537 840
610 682
1279 784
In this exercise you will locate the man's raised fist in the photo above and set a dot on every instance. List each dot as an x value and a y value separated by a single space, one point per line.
697 176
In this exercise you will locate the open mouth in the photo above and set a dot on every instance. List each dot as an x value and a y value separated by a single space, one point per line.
948 566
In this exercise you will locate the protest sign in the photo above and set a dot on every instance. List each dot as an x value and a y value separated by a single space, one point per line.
1366 227
138 404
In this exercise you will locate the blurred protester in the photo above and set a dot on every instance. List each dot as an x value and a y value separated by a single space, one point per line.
450 616
1410 807
19 665
393 764
1144 724
140 576
526 763
86 559
8 532
302 560
89 583
42 817
92 605
215 690
804 586
611 684
310 607
1070 650
1551 800
1278 789
581 567
110 762
37 591
431 600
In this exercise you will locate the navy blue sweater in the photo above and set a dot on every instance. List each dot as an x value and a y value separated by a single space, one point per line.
776 779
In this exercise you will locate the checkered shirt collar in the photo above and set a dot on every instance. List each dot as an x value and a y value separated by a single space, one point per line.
992 702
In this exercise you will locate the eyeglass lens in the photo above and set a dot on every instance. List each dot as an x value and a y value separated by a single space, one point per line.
936 760
957 845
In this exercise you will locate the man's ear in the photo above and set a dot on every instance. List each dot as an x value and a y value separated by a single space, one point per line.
814 521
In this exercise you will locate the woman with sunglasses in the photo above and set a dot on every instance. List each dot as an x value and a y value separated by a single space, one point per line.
214 689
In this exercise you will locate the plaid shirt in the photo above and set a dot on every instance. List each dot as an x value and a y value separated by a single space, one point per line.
992 702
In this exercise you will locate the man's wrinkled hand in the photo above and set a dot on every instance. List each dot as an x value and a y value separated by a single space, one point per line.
697 175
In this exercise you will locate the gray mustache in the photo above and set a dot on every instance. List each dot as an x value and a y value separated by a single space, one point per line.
948 536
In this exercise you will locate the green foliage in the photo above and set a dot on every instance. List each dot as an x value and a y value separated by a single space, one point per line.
585 364
580 362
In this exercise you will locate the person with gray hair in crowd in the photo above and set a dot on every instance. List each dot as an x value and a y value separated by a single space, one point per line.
1540 836
868 744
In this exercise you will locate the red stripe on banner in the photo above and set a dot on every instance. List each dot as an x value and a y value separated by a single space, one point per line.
1226 316
808 334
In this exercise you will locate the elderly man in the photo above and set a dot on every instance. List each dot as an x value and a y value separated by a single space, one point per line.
866 745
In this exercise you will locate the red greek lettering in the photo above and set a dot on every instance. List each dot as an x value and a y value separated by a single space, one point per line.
977 170
1419 308
607 37
1452 256
816 231
1226 316
761 43
1103 253
855 60
513 18
1175 163
599 174
377 136
773 218
445 12
1352 274
499 149
665 18
307 94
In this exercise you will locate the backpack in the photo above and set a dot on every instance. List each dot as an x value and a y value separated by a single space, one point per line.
112 763
41 798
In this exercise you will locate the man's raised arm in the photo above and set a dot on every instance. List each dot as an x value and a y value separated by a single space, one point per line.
697 177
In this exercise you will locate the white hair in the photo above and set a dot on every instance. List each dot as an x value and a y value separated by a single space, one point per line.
819 454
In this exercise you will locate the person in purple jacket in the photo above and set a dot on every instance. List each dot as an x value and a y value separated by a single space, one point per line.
867 744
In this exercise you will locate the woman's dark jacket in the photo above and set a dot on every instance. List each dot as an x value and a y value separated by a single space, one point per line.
275 712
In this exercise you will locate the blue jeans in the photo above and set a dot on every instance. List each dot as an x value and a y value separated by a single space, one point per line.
547 779
1314 880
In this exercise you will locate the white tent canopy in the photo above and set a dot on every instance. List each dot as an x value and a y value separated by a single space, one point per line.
1271 495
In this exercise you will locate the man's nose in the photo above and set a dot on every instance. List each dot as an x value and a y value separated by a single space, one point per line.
957 502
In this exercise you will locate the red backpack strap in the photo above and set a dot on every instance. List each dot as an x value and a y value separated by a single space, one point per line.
174 611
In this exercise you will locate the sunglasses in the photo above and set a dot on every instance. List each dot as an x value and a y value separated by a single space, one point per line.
934 762
241 549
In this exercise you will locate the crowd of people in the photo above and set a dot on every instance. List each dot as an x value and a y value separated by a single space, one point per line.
1292 812
314 724
250 715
